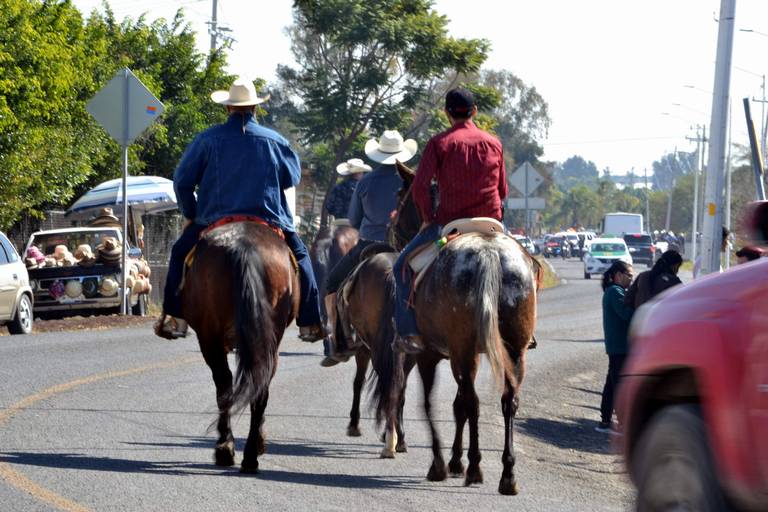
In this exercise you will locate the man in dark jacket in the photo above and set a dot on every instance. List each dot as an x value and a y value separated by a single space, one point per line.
652 282
369 211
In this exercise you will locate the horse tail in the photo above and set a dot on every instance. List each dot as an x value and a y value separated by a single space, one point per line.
256 341
388 376
486 286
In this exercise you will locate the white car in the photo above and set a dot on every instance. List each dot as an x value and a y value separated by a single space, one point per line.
526 242
602 253
15 293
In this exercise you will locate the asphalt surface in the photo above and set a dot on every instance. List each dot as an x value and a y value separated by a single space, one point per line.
119 420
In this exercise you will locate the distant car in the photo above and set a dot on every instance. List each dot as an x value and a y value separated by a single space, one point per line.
602 253
525 242
553 246
693 398
641 247
15 292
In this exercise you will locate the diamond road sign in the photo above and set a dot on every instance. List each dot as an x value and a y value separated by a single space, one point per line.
518 179
518 203
125 107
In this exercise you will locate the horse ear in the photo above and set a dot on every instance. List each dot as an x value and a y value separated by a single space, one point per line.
406 173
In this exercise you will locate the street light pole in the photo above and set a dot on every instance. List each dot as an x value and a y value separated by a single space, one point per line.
713 218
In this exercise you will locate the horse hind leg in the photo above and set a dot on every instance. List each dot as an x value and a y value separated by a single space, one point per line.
509 405
471 403
390 440
362 358
224 453
455 465
427 365
401 446
255 445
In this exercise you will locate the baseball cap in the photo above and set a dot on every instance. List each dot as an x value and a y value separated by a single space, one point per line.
459 102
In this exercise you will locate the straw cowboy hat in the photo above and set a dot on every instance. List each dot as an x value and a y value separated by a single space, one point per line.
105 217
108 287
390 147
84 255
109 250
73 288
353 166
242 93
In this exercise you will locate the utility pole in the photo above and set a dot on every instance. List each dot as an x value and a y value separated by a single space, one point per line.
700 139
728 178
713 196
647 209
213 29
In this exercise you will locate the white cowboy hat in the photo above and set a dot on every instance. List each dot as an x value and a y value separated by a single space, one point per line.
242 93
108 287
352 166
390 147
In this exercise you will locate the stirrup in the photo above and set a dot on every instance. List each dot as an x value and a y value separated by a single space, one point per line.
312 333
170 327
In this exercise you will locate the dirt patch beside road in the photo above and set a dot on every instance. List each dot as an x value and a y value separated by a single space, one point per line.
87 323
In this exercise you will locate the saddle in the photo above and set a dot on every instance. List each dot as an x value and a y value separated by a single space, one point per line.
190 258
422 258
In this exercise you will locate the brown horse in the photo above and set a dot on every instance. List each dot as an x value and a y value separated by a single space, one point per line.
241 292
365 305
478 296
326 251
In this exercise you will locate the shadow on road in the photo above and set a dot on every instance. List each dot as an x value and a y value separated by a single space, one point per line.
181 468
571 434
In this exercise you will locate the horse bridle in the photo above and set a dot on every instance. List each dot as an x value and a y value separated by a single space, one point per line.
396 238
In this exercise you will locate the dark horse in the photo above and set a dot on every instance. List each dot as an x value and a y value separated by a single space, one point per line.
365 305
326 251
478 296
241 293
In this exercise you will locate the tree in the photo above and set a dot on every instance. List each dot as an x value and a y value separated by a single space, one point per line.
575 171
671 167
46 138
371 72
522 116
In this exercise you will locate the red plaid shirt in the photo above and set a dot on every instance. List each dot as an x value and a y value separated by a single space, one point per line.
468 165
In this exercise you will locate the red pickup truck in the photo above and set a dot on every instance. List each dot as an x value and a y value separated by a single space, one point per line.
693 400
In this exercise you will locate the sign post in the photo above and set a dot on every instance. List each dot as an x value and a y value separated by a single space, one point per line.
526 179
137 108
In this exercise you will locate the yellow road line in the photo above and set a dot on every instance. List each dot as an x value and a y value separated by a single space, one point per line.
24 484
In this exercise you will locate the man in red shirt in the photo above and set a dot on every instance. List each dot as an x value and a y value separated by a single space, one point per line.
468 166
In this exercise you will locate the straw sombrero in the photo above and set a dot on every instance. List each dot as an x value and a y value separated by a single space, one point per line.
390 147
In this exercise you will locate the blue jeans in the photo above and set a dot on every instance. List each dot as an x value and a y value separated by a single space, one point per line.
309 307
405 316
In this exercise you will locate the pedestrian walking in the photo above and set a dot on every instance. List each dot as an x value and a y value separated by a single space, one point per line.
616 317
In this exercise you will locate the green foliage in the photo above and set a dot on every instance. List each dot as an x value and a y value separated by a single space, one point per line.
52 63
46 138
371 72
575 171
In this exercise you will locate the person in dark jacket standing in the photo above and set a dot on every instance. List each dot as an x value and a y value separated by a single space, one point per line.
616 317
372 203
652 282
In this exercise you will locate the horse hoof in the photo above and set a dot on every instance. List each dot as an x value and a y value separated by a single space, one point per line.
473 477
401 447
387 454
507 487
456 468
354 431
224 455
249 468
436 473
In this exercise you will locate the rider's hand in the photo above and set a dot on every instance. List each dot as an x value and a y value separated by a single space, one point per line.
187 222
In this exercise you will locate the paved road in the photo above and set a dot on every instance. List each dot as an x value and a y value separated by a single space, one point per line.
118 420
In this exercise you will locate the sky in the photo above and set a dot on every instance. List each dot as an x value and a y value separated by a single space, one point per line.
626 81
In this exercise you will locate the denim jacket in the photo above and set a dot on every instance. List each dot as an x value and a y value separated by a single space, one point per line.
373 201
238 167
